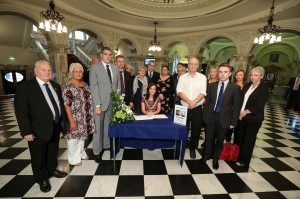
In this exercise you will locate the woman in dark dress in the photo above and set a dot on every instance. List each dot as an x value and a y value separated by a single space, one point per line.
165 89
140 84
239 79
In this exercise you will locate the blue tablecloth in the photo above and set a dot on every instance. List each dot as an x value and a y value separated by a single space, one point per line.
149 134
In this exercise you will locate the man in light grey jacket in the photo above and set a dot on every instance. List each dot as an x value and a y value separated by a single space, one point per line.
103 80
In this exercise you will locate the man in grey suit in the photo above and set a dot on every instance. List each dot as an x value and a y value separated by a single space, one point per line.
103 80
221 112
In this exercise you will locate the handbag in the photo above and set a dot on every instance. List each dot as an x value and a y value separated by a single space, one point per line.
230 152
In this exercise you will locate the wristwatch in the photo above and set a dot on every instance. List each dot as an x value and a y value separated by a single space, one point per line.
196 100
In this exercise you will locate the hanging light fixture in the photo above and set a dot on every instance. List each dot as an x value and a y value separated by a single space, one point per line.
154 45
52 20
269 31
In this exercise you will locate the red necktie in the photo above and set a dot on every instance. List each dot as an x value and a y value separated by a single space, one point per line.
122 82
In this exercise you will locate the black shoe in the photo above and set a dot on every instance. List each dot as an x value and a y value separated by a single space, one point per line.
45 186
98 159
204 159
58 174
192 153
215 165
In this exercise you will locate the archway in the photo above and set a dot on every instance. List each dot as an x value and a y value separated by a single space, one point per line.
216 51
174 53
19 48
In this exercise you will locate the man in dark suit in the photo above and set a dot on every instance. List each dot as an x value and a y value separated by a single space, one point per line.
180 71
221 112
126 87
39 110
152 75
294 93
175 75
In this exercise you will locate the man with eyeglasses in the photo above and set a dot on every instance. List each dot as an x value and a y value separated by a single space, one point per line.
152 75
191 89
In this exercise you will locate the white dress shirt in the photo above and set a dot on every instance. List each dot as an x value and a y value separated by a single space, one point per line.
41 83
191 87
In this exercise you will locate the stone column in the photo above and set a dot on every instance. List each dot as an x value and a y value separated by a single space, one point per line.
241 62
59 62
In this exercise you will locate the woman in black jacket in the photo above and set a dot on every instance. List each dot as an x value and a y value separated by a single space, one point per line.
255 96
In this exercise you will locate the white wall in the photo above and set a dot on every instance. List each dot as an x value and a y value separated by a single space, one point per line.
22 57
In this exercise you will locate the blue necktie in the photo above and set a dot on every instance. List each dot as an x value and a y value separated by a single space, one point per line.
217 109
54 104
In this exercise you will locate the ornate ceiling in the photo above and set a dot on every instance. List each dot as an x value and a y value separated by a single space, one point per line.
174 17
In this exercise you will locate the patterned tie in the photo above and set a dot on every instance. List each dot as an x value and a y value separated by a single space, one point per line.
109 73
217 109
122 82
54 104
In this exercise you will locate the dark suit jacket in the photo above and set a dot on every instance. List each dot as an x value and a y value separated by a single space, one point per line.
155 77
230 104
128 88
256 102
292 83
33 113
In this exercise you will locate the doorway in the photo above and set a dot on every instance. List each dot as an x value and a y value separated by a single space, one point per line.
11 78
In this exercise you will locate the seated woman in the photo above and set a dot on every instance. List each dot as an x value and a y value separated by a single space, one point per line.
151 104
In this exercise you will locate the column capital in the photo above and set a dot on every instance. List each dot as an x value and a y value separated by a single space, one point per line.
62 49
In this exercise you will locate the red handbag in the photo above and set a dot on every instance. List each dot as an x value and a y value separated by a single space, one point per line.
230 152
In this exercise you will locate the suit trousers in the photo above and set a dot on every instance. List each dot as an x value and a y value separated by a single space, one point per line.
100 138
293 101
214 137
44 155
246 138
194 118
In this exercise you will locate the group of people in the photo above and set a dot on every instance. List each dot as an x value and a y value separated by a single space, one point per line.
227 106
43 109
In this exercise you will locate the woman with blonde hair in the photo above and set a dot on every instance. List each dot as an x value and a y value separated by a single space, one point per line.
213 74
140 85
80 112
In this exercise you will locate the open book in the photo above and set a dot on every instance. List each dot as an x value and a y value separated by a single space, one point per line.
145 117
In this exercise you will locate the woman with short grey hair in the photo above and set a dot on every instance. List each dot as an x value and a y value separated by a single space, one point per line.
255 96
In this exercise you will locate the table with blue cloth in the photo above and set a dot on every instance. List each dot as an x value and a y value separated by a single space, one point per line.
149 134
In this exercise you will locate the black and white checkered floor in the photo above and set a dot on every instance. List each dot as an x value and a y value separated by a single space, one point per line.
273 173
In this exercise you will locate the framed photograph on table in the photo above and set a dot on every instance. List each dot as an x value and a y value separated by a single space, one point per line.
180 115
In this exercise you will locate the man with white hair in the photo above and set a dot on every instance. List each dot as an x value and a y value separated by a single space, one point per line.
40 114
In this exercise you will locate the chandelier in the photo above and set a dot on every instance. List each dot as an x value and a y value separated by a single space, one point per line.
154 45
52 20
269 31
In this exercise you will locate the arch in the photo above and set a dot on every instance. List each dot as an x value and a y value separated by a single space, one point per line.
129 41
31 19
212 37
89 30
296 32
281 43
170 42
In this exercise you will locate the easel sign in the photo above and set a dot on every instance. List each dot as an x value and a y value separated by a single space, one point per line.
180 115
